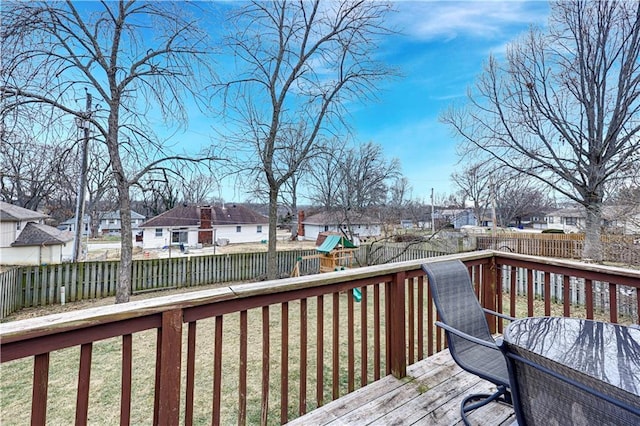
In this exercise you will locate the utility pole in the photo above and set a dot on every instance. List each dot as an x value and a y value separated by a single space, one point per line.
493 206
433 219
83 123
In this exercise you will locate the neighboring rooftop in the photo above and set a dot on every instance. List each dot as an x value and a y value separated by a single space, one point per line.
36 234
11 213
189 216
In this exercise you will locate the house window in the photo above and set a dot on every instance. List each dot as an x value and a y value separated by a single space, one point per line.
180 236
571 221
18 226
112 221
550 219
326 228
158 232
259 229
238 228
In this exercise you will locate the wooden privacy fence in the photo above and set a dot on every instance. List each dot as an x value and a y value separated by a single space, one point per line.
30 286
617 248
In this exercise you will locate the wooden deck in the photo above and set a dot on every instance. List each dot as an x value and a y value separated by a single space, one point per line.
429 395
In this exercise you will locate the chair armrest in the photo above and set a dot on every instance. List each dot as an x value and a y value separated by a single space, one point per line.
498 314
467 336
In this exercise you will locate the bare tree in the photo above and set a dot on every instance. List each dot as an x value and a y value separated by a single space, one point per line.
300 63
564 107
367 176
474 184
518 196
136 58
323 180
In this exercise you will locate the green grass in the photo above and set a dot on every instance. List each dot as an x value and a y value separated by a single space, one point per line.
104 403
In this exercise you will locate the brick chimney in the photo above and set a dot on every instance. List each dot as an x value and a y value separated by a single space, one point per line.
300 225
206 235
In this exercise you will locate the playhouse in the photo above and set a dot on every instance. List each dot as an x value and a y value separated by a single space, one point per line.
335 253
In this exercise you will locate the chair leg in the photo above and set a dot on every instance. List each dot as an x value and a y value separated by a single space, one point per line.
502 394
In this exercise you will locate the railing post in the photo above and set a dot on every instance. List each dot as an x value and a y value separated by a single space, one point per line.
489 290
396 325
170 352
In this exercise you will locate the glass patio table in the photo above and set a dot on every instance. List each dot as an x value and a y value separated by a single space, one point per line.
557 358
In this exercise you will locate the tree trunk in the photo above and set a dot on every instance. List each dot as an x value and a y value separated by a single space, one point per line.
123 289
592 243
272 267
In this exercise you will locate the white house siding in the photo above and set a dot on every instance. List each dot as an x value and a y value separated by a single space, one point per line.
249 233
36 255
151 241
8 233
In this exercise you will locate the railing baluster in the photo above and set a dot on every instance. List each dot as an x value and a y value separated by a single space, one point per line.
217 371
170 364
125 401
376 332
588 290
514 291
364 330
530 293
303 357
84 376
613 303
284 364
264 404
566 295
191 367
320 351
40 389
350 343
335 374
395 330
242 382
547 293
411 320
420 318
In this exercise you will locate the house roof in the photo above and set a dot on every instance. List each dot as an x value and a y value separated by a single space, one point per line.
333 241
11 213
36 234
338 218
116 215
189 216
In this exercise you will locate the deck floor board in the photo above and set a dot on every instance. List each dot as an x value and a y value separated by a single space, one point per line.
429 395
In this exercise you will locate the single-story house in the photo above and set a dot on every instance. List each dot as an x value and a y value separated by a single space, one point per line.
26 240
202 225
357 227
616 219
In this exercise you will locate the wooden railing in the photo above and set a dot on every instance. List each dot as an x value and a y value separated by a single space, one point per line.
261 352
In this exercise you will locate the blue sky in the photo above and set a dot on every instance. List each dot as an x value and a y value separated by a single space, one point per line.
440 50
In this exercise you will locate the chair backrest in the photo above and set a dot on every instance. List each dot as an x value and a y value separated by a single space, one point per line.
456 302
458 307
546 392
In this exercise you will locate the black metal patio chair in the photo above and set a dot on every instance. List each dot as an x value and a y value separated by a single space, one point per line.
470 342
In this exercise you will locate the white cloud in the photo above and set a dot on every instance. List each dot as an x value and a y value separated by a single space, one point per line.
428 20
